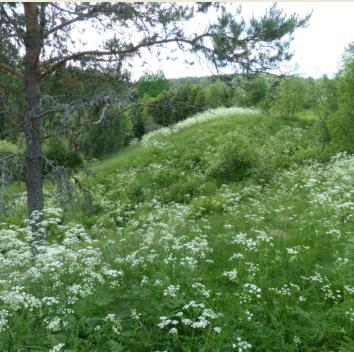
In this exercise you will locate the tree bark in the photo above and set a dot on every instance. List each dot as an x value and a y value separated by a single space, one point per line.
32 123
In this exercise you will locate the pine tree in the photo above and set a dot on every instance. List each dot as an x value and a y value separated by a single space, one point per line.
37 39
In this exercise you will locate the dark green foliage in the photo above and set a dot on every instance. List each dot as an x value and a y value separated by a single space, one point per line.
160 109
139 117
271 36
112 133
330 90
218 94
152 84
291 97
257 91
234 160
252 91
341 124
185 100
341 129
321 98
188 98
178 104
58 154
11 103
272 93
11 168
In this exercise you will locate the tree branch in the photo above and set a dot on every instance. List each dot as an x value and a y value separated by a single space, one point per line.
53 64
80 17
42 16
9 69
10 20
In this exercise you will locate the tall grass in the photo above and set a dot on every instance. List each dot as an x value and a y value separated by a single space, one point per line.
175 260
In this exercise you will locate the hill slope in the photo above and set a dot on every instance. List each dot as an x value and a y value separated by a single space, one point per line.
222 236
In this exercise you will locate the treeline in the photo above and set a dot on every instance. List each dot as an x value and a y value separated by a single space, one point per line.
110 110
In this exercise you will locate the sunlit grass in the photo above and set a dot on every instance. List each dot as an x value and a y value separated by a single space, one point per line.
307 115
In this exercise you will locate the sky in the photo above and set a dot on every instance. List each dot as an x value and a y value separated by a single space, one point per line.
317 48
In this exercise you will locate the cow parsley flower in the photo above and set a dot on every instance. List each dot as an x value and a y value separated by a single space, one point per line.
3 319
171 291
241 345
57 348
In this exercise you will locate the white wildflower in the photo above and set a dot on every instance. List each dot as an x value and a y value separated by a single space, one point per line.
57 348
171 291
217 329
241 345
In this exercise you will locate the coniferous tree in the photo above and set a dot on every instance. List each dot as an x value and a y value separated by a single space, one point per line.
38 39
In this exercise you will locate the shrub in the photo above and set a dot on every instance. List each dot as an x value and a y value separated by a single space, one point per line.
160 109
187 100
235 160
205 206
208 188
181 191
255 92
341 128
7 147
60 155
312 153
108 136
11 168
139 118
341 124
152 84
291 97
178 104
217 95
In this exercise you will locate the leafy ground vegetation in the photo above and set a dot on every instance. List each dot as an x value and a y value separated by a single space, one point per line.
232 234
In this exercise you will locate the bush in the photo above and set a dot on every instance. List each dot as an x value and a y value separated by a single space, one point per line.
60 155
235 160
139 118
152 84
217 95
205 206
254 92
160 109
11 167
312 153
176 105
341 129
181 191
341 124
111 134
291 97
8 147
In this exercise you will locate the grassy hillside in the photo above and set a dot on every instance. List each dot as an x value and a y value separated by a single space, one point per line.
232 234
